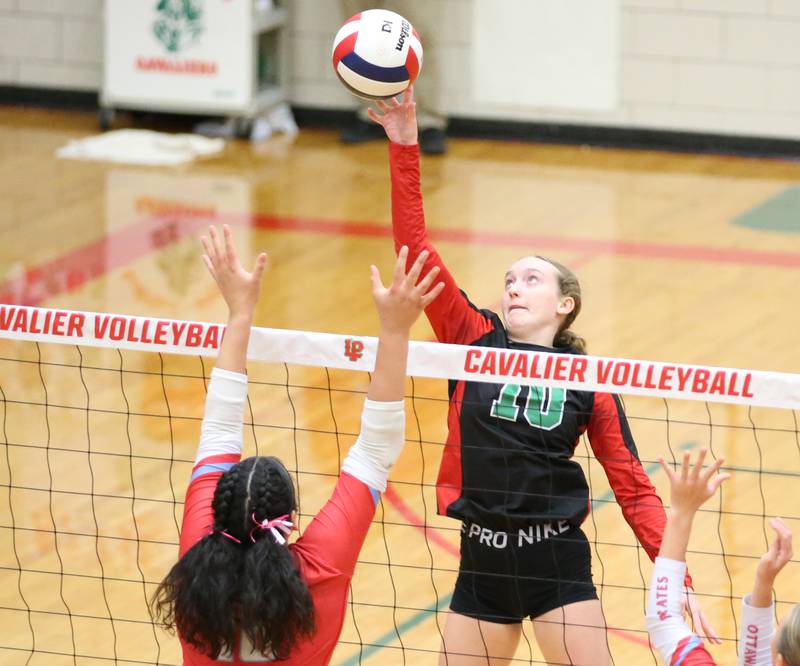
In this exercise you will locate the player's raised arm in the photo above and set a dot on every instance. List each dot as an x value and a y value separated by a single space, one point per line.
452 316
690 487
240 289
221 439
383 420
382 435
221 432
757 627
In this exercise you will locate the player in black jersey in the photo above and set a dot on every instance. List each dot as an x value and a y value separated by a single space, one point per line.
507 471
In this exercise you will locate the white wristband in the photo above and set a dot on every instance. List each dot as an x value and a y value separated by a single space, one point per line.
379 444
222 427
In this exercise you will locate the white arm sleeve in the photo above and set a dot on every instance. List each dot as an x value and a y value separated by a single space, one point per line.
383 433
755 639
665 622
222 427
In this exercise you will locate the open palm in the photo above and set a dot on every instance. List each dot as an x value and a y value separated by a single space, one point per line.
240 288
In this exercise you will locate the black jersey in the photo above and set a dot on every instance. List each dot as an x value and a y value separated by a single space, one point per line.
508 461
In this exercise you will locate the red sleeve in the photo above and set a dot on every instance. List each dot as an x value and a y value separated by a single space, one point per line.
453 318
338 531
198 518
614 447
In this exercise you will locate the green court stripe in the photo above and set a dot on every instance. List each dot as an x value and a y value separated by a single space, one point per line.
386 640
780 212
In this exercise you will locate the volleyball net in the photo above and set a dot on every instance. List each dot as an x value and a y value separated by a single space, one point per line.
99 423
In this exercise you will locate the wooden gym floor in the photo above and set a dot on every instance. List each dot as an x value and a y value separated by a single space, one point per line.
685 258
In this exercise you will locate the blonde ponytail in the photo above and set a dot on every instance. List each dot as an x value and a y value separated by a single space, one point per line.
789 638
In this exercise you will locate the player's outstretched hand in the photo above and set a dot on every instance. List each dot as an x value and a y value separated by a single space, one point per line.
691 486
398 119
239 288
779 553
400 304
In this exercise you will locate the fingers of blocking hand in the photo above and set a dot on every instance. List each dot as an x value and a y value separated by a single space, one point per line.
400 266
416 268
712 469
211 247
698 465
685 466
230 249
780 527
209 266
431 295
786 550
667 469
718 480
708 630
783 539
425 283
260 266
783 548
375 278
711 474
217 243
697 620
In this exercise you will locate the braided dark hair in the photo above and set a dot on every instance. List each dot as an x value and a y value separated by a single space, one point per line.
220 587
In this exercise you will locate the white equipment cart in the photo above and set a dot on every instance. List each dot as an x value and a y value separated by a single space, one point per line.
213 57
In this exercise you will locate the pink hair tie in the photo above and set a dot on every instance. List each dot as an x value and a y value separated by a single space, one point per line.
230 536
280 528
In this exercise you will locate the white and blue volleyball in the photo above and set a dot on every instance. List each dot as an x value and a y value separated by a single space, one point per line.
377 54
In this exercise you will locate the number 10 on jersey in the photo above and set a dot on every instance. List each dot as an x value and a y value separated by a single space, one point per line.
544 407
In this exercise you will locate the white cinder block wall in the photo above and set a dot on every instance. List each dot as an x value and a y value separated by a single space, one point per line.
730 66
51 43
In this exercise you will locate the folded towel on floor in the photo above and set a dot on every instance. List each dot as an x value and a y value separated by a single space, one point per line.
131 146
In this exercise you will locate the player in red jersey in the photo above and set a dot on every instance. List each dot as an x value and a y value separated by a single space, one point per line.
507 470
239 593
690 488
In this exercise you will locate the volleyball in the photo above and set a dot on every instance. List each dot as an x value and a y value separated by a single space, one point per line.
377 54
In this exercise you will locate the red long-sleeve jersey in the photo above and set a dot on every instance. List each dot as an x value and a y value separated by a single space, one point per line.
325 554
508 460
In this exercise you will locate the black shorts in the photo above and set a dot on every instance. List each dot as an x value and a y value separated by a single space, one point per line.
505 577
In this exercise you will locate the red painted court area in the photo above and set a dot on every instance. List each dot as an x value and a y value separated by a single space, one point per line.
71 270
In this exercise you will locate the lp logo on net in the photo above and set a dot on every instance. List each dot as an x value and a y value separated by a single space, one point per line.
353 349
